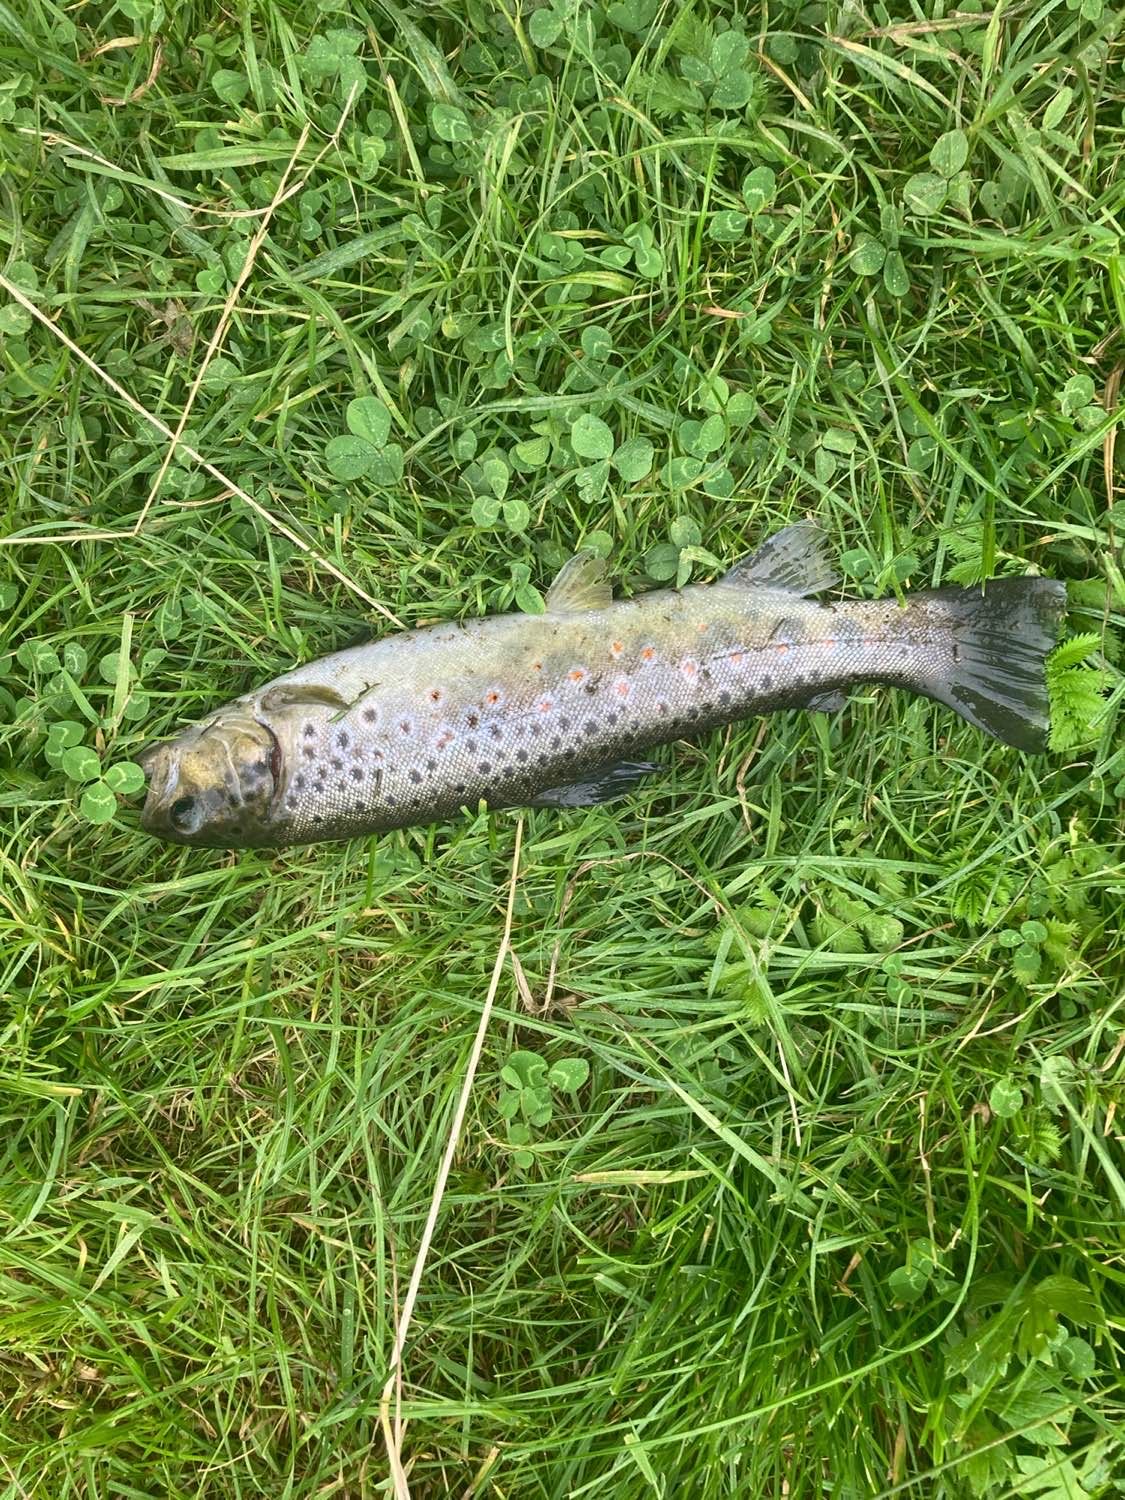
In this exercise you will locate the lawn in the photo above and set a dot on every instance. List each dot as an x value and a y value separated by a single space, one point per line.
789 1164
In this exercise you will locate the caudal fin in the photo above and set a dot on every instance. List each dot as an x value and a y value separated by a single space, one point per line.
1001 640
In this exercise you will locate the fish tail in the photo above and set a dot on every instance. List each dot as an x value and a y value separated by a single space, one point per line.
996 675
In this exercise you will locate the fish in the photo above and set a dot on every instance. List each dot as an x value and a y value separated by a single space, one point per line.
554 709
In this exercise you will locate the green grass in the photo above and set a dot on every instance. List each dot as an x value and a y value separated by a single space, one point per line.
839 1209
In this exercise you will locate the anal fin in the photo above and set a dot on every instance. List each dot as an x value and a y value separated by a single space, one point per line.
601 784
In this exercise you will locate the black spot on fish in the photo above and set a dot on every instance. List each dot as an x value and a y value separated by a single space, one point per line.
591 726
906 652
693 713
309 752
471 746
431 765
299 781
472 720
555 742
357 773
369 715
391 799
591 687
611 718
343 739
310 731
724 698
564 722
521 756
336 763
536 729
461 787
705 674
484 767
495 731
415 777
767 682
343 786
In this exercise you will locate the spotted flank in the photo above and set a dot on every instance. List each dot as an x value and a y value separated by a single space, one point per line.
554 709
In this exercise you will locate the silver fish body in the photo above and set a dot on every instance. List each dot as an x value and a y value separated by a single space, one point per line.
519 709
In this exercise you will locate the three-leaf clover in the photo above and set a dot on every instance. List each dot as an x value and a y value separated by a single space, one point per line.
724 73
365 450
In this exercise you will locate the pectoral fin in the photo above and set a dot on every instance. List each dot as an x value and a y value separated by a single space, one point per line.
599 785
826 703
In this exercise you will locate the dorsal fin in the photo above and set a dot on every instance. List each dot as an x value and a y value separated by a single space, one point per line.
580 585
795 559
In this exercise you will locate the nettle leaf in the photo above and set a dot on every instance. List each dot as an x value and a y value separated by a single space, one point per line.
590 437
950 153
369 419
348 458
569 1074
633 460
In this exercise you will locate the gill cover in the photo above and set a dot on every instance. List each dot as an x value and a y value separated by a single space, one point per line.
214 784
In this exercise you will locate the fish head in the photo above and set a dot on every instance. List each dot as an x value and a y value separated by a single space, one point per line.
213 785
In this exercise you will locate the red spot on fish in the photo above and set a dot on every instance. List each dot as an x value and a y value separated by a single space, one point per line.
493 696
546 705
622 687
736 658
781 646
647 653
576 674
703 627
616 648
435 695
689 668
537 666
830 643
444 738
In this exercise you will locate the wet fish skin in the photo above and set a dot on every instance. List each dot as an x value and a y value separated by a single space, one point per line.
516 709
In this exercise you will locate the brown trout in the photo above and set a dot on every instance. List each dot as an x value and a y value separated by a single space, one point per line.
548 709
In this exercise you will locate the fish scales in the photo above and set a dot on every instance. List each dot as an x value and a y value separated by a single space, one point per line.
411 728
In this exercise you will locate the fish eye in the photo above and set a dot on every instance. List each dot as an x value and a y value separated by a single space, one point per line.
182 813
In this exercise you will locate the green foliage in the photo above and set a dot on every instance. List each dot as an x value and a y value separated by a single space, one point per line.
527 1102
836 1209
